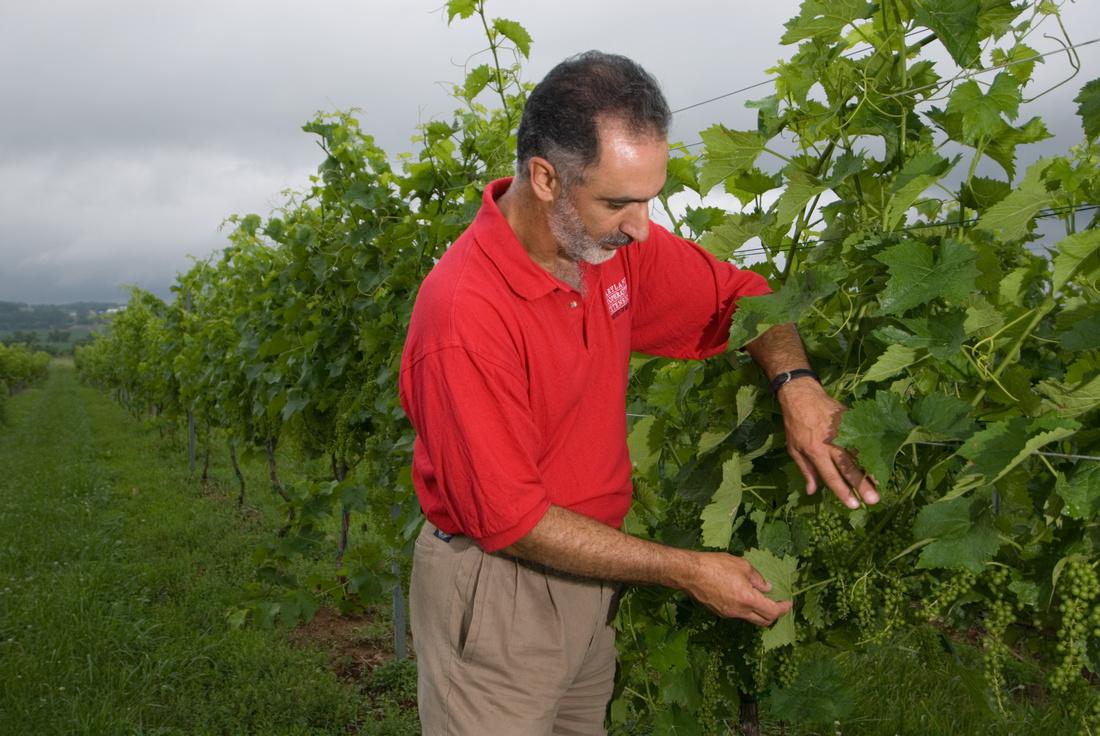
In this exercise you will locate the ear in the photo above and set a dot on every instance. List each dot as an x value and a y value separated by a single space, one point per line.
545 182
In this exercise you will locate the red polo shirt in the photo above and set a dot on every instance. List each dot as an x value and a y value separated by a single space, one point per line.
516 382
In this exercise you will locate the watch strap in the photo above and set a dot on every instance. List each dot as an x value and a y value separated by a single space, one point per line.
788 376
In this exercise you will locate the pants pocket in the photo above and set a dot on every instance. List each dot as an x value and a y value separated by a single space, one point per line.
474 581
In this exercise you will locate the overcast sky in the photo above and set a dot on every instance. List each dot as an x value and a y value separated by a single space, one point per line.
130 130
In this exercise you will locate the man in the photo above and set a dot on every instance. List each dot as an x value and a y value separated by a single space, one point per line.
514 376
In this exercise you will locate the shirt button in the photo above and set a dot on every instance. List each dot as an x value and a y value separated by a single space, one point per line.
573 304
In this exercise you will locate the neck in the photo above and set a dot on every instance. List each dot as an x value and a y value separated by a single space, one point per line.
528 217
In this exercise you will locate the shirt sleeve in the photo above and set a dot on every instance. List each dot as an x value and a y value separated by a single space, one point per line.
479 444
684 297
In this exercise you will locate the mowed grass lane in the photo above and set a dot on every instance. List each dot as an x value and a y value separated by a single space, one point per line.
115 574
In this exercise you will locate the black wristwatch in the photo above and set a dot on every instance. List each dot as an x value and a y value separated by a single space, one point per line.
788 376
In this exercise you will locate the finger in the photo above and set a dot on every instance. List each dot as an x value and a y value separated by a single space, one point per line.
772 610
807 472
755 618
827 469
855 476
867 490
759 582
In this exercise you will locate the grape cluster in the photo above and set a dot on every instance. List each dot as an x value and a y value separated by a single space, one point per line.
790 660
1081 587
826 531
861 603
946 593
709 688
895 600
1000 615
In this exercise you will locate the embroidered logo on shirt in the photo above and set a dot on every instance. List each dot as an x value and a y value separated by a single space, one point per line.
617 297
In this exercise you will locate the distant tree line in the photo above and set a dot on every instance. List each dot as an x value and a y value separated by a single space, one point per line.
17 316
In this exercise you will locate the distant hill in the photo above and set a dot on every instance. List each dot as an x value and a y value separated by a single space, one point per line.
19 316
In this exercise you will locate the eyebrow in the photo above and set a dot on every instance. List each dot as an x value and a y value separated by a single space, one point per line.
628 200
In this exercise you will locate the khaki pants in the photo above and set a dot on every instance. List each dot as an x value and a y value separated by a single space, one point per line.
507 648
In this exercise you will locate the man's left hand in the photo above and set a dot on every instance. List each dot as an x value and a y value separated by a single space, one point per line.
811 418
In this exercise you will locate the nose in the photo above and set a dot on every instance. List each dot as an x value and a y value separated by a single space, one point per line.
636 223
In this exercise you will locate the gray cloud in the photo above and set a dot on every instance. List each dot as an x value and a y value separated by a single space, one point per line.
130 130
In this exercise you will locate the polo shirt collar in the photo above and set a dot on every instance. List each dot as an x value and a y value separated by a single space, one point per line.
495 237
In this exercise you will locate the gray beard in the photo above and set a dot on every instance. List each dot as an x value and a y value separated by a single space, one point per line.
574 240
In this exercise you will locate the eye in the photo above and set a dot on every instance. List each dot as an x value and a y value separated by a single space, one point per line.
615 206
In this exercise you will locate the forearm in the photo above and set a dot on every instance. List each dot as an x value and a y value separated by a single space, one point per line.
777 350
811 418
576 544
572 543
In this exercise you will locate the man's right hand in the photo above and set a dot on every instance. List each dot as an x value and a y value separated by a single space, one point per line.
730 587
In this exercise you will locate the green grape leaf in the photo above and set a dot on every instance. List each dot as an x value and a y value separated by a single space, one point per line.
478 78
750 184
296 401
960 542
678 688
1088 108
718 515
845 166
1019 61
803 289
1077 254
781 572
944 416
822 692
667 650
955 23
981 113
702 219
774 536
895 359
675 721
1014 285
644 443
996 17
710 440
982 318
734 231
1002 147
746 402
1009 218
1000 447
917 277
1026 592
681 171
915 177
1081 493
461 8
983 193
823 20
801 188
876 429
1084 334
727 152
1072 401
515 33
994 446
941 334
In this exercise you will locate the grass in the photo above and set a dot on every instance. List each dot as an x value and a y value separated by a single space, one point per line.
115 573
